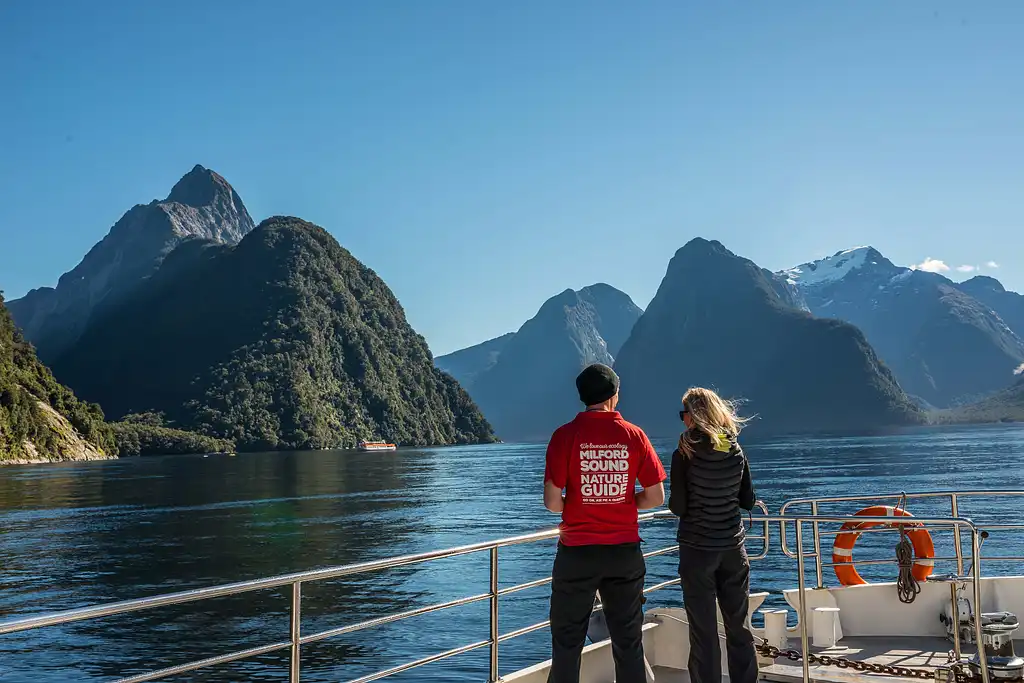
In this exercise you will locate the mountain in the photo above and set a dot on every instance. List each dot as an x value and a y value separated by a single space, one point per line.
834 268
148 434
718 321
990 291
467 364
283 341
201 205
1006 406
40 419
945 345
530 389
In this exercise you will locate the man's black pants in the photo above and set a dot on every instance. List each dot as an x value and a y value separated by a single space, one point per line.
725 574
617 571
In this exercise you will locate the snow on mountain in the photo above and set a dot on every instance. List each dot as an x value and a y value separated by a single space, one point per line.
831 268
945 345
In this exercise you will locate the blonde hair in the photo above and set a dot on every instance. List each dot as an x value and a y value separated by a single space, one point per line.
710 414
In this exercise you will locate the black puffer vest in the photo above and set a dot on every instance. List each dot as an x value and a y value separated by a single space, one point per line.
707 493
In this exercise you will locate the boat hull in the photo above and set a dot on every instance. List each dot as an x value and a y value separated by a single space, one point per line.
875 627
372 447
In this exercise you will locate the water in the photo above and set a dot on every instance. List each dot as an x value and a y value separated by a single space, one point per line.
87 533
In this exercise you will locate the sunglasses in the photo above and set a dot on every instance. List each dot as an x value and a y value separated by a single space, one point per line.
683 412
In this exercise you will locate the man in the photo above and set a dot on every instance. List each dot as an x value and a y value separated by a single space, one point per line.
597 458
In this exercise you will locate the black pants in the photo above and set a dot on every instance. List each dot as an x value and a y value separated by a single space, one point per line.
725 574
618 572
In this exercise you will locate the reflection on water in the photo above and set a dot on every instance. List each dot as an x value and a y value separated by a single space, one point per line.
78 534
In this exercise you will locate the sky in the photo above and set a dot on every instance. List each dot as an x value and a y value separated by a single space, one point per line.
484 156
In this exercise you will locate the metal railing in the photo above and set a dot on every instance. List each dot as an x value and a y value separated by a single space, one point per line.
954 497
798 522
295 581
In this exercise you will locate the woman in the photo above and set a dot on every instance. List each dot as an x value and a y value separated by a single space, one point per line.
710 482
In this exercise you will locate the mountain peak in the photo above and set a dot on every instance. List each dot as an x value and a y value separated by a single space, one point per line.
199 187
526 387
201 205
944 341
700 257
598 294
835 267
718 320
604 294
701 245
600 288
266 294
555 304
982 282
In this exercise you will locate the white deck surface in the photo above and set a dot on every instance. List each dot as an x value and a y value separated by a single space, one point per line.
913 652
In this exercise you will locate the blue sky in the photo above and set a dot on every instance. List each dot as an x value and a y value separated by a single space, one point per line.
483 156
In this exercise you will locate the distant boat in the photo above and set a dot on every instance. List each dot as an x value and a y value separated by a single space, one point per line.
376 446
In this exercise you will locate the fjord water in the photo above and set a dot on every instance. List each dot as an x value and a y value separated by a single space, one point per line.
85 533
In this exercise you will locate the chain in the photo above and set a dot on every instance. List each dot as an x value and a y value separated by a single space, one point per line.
960 673
773 652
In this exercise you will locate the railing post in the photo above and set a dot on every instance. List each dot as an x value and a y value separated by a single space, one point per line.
976 575
494 615
296 656
801 588
817 547
955 504
957 655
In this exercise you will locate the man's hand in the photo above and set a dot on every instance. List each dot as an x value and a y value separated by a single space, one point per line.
553 499
651 497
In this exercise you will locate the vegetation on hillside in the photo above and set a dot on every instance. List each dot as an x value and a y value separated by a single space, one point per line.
146 434
29 399
285 341
1006 406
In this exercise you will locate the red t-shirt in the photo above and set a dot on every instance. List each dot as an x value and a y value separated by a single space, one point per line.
597 458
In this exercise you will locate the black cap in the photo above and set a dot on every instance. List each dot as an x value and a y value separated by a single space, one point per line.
596 384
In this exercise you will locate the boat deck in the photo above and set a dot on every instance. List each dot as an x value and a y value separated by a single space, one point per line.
924 653
913 652
666 675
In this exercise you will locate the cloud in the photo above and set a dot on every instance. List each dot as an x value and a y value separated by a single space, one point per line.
931 265
1019 370
992 264
967 269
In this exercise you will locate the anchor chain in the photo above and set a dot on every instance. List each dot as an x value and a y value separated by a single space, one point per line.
773 652
960 672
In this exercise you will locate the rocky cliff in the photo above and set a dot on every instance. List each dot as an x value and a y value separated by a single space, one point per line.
945 342
284 341
719 321
40 419
530 389
201 205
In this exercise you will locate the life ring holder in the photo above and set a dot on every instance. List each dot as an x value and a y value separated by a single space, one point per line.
842 548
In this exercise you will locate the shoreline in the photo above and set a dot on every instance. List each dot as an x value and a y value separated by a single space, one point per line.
44 461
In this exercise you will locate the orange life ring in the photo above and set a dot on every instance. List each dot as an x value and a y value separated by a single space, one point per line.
842 549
